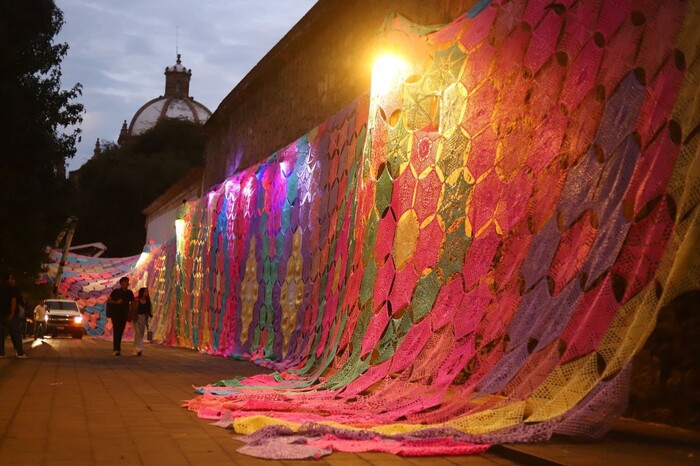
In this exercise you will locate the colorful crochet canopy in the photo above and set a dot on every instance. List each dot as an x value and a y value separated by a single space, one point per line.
470 257
90 280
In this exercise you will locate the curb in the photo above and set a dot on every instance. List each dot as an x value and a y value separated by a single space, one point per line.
655 431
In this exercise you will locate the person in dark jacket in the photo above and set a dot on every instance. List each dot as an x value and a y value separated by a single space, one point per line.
9 314
119 302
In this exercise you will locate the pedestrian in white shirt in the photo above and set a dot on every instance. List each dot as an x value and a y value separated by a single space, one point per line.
40 319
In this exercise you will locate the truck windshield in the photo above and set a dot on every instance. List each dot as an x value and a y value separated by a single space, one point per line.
62 305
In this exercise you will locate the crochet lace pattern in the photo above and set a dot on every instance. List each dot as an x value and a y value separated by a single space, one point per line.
472 257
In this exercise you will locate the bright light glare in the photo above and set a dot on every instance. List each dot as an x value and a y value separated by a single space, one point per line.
248 188
210 198
388 72
142 258
78 320
284 168
179 229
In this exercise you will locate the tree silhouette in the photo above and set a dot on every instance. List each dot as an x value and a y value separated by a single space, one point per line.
33 146
113 189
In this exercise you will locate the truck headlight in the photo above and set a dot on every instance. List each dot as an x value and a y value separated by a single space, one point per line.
78 320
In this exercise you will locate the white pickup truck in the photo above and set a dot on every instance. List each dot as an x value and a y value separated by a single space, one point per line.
64 317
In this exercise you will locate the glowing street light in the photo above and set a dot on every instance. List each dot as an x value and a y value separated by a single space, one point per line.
388 72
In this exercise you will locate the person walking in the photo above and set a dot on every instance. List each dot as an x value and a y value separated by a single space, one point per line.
119 302
21 314
9 319
40 319
140 322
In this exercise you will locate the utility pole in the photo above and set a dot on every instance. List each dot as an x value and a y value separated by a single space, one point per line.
67 233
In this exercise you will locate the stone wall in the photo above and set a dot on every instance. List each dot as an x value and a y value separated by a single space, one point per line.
319 67
665 384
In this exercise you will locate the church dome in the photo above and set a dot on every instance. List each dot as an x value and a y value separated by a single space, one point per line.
167 107
176 103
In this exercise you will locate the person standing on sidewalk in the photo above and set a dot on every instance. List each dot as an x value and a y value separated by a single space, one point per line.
141 316
40 319
9 321
21 314
119 302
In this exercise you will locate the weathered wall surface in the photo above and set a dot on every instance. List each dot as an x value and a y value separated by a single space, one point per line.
319 67
666 373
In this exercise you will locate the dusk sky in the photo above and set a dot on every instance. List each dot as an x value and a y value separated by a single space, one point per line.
119 51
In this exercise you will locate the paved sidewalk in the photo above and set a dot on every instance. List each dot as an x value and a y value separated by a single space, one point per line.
74 403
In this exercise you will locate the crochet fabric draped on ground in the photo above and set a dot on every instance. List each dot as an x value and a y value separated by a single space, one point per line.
471 257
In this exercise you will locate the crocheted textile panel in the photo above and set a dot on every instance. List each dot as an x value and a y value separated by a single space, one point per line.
90 280
473 256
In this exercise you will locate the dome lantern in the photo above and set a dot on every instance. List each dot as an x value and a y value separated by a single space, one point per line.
177 80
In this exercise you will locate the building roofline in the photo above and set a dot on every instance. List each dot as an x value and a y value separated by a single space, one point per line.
175 191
